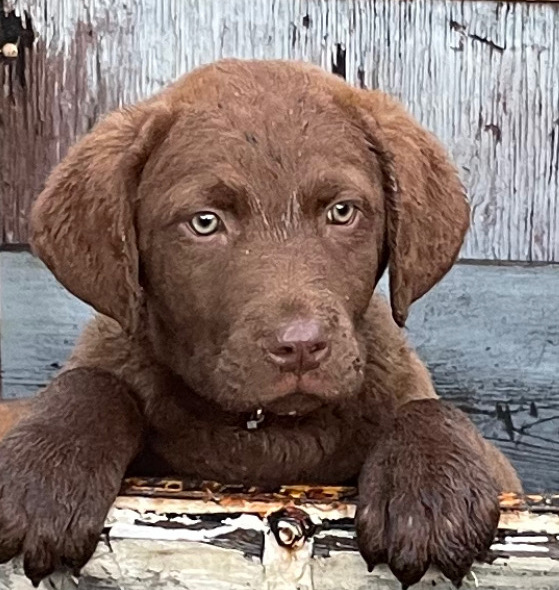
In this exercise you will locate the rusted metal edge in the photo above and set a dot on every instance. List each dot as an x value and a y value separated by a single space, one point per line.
193 489
231 495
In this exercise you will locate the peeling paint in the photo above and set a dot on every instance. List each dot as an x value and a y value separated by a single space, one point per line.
155 546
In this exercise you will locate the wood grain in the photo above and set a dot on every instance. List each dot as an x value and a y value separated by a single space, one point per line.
40 321
489 335
484 76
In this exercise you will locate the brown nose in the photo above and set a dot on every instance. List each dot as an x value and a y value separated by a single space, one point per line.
299 346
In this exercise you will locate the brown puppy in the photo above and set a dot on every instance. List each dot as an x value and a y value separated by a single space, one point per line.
231 231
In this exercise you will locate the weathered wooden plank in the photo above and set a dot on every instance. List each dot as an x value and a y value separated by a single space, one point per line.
484 76
216 540
490 337
489 334
40 321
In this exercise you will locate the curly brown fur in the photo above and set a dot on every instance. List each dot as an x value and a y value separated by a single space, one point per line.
275 310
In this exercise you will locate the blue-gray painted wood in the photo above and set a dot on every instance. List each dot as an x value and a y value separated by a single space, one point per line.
490 335
40 322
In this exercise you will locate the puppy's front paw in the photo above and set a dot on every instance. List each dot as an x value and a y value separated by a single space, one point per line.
52 508
426 498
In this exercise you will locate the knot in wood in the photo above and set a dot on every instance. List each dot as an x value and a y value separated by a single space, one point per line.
9 50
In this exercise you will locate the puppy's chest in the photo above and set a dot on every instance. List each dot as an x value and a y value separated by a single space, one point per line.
325 450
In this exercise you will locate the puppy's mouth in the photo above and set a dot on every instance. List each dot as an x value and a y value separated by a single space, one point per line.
294 405
295 398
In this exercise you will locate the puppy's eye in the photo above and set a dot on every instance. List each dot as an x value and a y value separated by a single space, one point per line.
205 223
341 213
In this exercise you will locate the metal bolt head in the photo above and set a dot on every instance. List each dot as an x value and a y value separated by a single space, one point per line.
290 533
291 527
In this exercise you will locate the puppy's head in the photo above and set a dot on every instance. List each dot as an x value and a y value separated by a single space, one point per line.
242 219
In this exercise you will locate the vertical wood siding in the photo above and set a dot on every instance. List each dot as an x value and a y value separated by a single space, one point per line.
484 76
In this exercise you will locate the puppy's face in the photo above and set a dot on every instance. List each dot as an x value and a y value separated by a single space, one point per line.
242 218
261 236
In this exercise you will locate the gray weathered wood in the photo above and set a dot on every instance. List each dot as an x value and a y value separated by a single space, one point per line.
490 335
40 321
484 76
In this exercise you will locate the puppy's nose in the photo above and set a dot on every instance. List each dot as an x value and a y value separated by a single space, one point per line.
299 346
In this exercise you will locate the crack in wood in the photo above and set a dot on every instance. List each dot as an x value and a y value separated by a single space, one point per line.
462 30
339 61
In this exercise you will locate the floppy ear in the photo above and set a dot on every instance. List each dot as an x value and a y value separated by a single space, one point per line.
82 224
427 210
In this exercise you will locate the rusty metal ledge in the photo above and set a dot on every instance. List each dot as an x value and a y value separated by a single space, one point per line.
177 533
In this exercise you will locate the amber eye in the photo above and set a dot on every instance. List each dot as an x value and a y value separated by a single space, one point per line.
341 213
205 223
